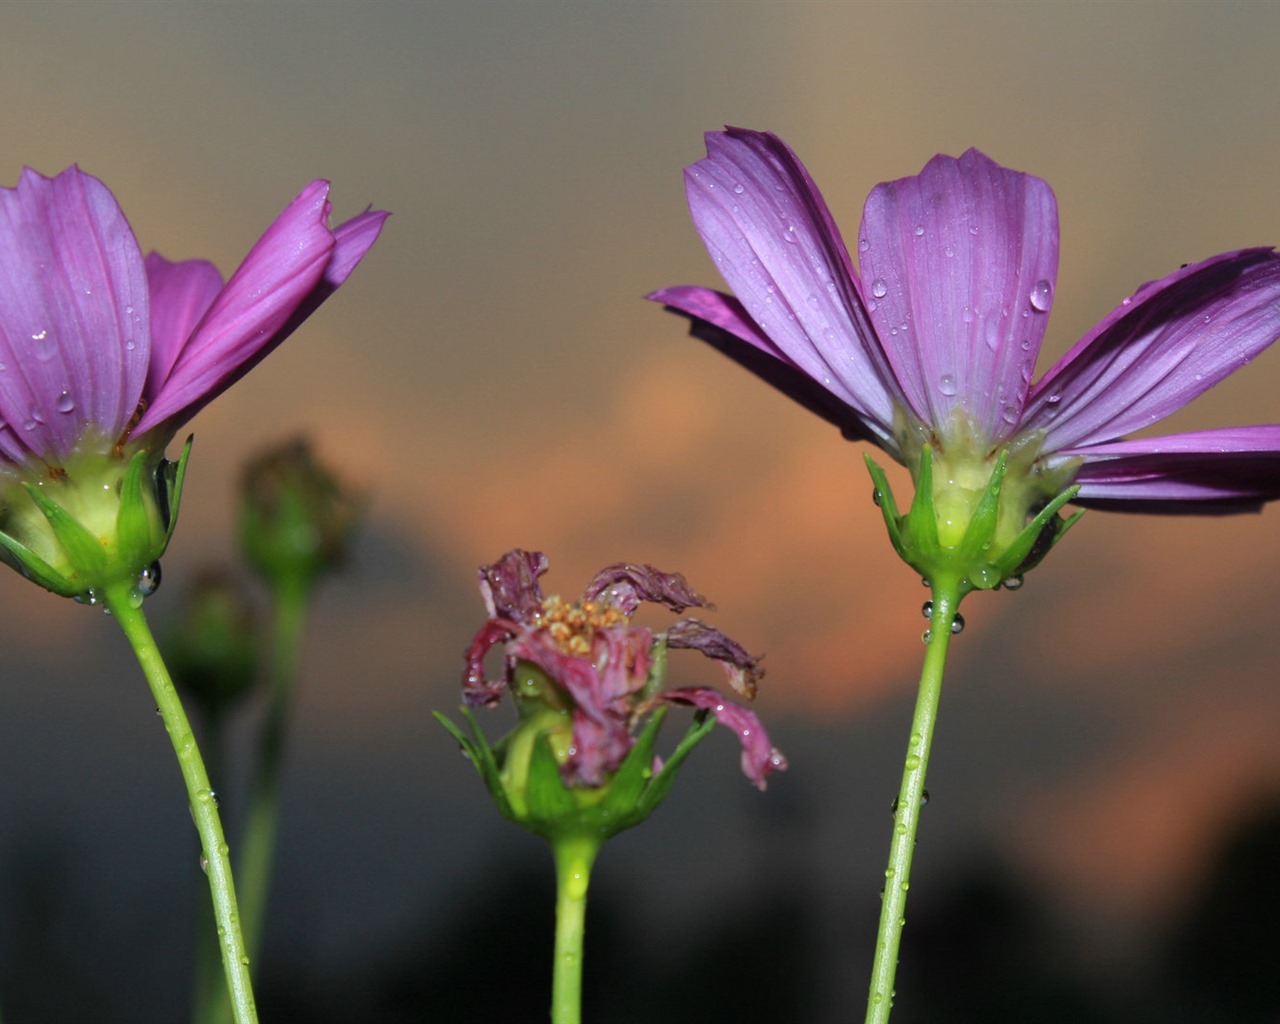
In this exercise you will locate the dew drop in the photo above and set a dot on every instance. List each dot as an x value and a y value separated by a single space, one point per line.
878 288
738 189
912 763
876 497
148 580
947 385
919 230
926 609
65 403
90 597
957 624
204 863
40 335
790 235
1013 583
926 636
1041 296
967 314
863 245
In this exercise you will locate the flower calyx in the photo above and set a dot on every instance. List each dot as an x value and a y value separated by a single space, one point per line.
976 538
97 521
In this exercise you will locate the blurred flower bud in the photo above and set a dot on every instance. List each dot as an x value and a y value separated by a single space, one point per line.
212 650
296 519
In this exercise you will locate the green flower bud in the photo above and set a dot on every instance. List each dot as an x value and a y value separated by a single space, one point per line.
296 519
212 650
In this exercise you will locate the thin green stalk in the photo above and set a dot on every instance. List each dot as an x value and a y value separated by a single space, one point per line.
257 849
209 992
574 857
911 795
258 844
122 601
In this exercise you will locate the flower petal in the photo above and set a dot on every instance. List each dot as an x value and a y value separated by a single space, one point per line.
759 756
1172 340
721 322
961 262
624 586
1229 470
510 586
74 338
741 666
776 245
181 293
294 266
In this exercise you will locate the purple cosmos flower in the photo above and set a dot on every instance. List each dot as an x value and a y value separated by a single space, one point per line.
933 339
105 354
96 339
601 667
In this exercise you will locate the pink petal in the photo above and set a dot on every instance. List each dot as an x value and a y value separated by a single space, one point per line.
776 245
1174 339
74 334
759 756
624 585
181 293
958 267
292 268
1229 470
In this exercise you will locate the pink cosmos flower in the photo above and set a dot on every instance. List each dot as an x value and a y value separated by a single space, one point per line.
601 666
933 338
96 340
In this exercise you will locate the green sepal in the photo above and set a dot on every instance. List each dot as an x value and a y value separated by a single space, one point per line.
553 810
133 520
36 569
1041 535
481 756
170 476
888 505
702 724
920 525
83 549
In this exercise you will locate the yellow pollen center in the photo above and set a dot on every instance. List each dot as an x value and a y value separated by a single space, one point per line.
572 626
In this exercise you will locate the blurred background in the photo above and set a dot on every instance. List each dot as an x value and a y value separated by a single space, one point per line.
1103 824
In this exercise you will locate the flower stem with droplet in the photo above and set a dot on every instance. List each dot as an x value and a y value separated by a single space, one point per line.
911 796
574 855
122 600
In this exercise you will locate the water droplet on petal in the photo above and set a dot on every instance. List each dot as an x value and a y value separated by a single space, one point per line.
967 314
65 403
919 230
1041 296
947 385
790 235
738 189
863 245
878 288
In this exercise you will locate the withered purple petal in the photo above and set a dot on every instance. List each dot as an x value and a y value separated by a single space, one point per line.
759 755
624 586
741 667
510 586
477 690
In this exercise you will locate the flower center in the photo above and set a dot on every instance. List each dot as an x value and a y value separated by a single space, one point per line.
572 626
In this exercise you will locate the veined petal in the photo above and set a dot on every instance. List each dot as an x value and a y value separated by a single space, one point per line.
959 265
625 585
759 755
773 240
74 326
295 265
1172 340
181 293
1235 469
510 586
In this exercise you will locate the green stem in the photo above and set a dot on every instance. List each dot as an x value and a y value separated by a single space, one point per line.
911 795
121 599
574 856
210 993
257 851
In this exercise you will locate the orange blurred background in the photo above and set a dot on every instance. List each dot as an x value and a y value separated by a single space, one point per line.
492 378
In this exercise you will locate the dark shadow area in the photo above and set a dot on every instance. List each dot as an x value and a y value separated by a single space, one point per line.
982 949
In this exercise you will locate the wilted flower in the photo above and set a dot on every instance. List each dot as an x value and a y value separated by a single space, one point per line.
105 354
589 686
928 348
